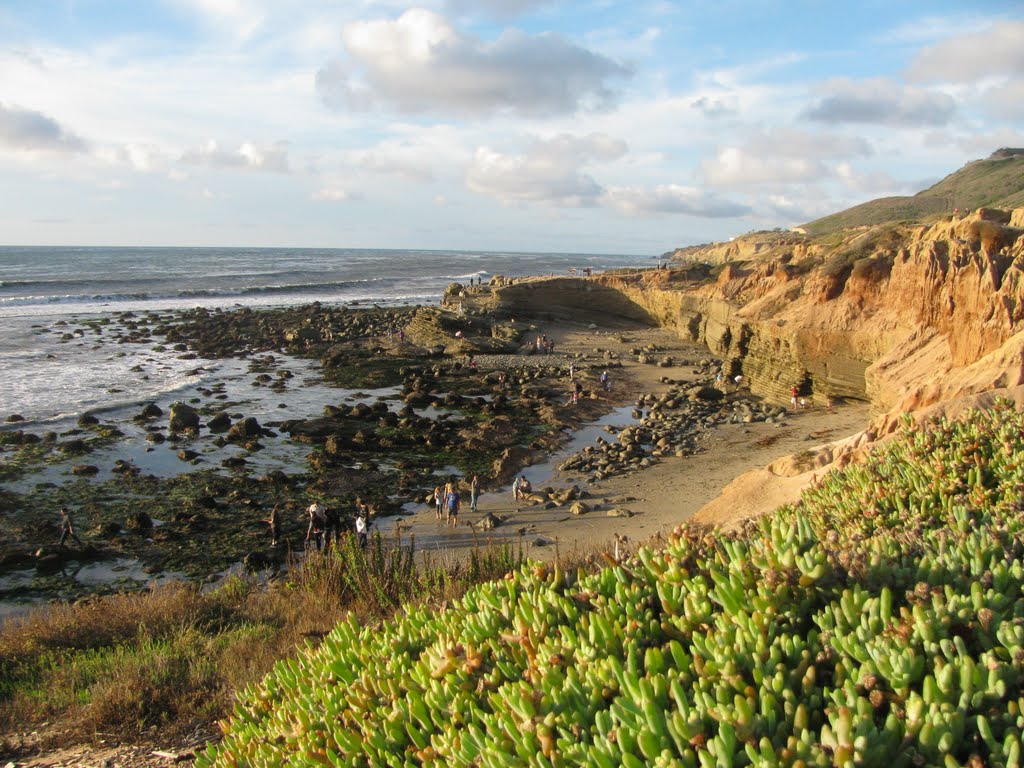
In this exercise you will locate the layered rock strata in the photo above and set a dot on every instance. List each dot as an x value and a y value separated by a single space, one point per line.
901 316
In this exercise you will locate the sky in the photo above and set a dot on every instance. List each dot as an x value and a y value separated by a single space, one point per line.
524 125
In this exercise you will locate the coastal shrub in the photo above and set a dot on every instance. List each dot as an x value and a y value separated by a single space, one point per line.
878 621
864 246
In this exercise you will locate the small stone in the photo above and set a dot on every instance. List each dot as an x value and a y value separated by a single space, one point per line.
579 508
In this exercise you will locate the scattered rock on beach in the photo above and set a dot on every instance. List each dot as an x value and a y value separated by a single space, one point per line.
184 418
219 422
619 512
579 508
489 522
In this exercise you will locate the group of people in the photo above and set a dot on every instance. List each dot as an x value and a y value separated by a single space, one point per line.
543 344
576 386
324 525
448 500
720 381
521 488
795 400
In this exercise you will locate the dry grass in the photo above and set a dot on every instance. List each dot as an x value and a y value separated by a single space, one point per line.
119 665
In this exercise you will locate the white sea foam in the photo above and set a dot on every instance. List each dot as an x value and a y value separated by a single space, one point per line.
43 285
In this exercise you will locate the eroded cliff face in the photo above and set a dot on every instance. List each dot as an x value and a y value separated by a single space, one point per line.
900 316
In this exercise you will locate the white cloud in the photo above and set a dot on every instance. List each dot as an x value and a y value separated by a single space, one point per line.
928 29
736 166
420 63
329 195
882 102
1006 101
551 171
247 157
501 8
712 107
977 144
996 51
394 162
28 130
788 210
240 19
672 198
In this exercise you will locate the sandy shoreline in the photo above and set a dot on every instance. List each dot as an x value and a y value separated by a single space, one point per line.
651 501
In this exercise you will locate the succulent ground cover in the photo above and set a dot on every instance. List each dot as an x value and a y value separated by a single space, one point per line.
877 622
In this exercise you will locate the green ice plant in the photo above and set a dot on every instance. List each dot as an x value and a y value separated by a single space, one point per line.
879 621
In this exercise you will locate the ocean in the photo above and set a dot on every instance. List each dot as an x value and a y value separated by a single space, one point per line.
48 378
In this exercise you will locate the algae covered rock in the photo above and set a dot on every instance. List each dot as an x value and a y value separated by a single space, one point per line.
183 418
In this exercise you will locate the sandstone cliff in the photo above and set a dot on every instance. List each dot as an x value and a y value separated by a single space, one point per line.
911 318
902 316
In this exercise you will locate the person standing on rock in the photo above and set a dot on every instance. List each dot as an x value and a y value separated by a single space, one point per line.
515 489
67 527
474 493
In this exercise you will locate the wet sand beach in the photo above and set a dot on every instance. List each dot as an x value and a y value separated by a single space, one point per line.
637 505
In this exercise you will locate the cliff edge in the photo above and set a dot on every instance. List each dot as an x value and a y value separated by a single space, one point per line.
909 317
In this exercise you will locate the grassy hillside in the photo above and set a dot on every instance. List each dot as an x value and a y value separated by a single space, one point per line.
879 622
997 181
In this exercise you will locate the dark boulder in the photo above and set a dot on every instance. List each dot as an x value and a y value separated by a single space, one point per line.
221 422
245 429
183 418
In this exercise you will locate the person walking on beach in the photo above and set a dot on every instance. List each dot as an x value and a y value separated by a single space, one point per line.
361 525
317 523
451 502
274 521
474 493
67 527
794 393
515 489
606 382
438 501
332 526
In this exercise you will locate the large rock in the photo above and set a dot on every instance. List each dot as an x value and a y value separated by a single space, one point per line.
220 422
245 429
183 418
579 508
